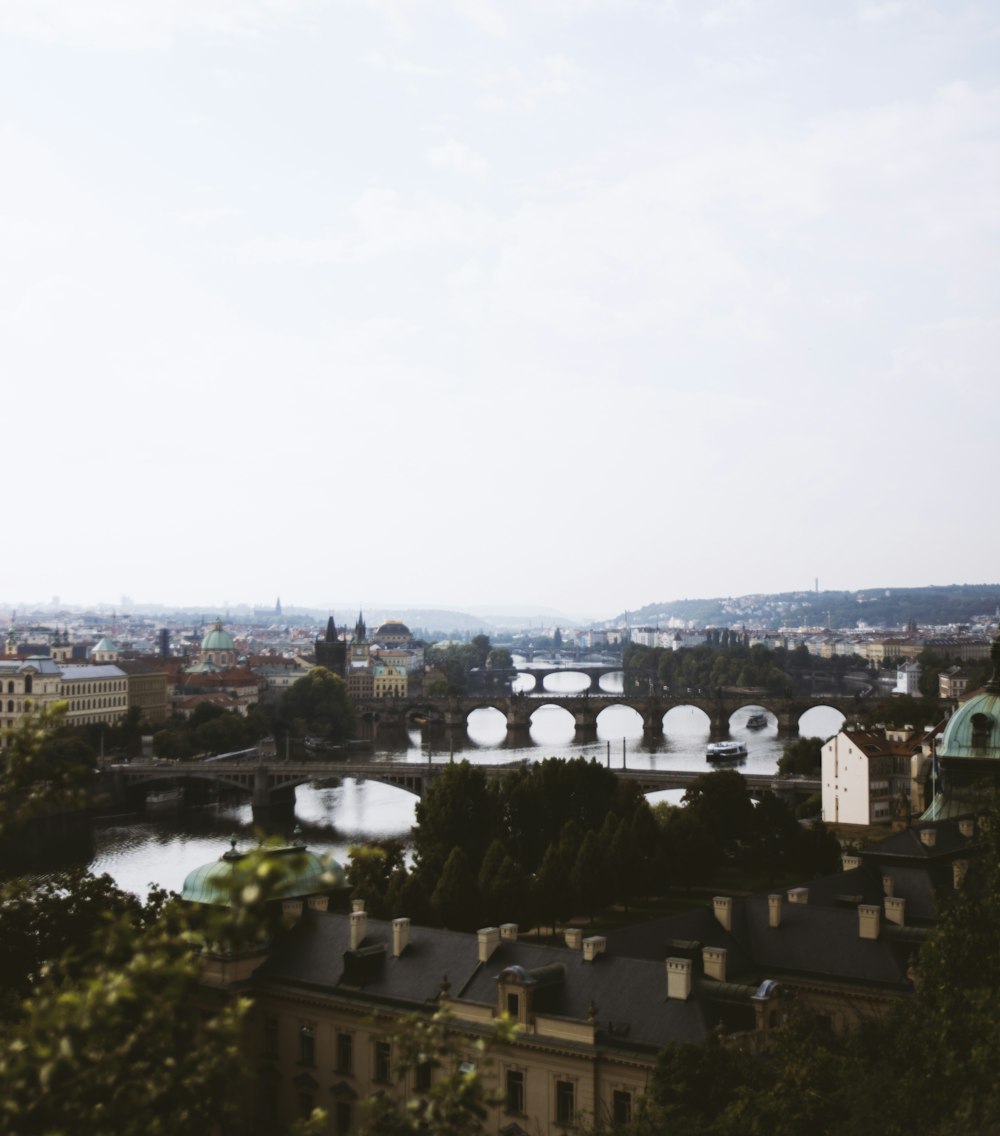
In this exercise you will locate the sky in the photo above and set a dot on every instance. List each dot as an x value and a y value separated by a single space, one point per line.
581 304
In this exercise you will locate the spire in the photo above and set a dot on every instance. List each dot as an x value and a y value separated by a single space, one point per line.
331 630
359 628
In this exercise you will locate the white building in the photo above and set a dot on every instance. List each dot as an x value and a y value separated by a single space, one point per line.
867 773
907 679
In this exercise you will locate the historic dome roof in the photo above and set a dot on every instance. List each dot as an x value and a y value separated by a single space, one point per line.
393 629
974 729
217 639
314 874
106 646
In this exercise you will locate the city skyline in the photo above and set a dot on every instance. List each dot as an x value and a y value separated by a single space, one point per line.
578 306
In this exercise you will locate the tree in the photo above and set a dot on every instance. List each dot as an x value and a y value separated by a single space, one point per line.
460 809
720 802
803 756
38 775
455 900
320 703
499 659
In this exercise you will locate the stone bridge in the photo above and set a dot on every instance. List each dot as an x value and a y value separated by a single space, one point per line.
592 671
274 782
453 711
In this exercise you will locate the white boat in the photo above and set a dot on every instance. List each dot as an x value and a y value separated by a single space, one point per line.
725 751
168 798
756 721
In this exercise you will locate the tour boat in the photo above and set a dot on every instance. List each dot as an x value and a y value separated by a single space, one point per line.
725 751
756 721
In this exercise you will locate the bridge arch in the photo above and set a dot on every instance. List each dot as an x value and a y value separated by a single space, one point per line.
817 720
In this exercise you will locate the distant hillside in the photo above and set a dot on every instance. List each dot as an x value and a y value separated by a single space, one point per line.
875 607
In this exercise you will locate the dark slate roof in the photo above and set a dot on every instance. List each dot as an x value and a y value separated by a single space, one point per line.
628 994
814 940
821 942
313 955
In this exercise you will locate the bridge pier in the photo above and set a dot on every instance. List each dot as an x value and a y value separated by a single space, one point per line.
719 724
652 722
788 723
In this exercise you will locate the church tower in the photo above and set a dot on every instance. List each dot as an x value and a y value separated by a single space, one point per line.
331 650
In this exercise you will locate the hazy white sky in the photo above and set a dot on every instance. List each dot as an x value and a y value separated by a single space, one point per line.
579 303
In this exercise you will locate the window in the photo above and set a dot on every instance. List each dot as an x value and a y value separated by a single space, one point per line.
515 1092
342 1118
621 1107
422 1077
383 1054
565 1093
306 1105
307 1046
270 1037
345 1053
514 1005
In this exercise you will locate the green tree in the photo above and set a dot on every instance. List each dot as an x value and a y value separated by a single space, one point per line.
803 756
371 871
319 701
455 900
499 658
460 809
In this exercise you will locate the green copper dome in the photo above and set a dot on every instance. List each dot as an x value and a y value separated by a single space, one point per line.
309 873
217 639
974 729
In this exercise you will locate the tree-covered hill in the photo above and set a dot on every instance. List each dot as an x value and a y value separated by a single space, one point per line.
875 607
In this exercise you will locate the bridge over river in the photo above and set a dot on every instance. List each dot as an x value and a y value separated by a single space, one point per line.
719 706
274 782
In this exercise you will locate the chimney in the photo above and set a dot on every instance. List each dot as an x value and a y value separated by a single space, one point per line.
489 940
722 905
678 979
798 895
868 920
359 928
291 908
319 902
357 905
848 863
928 837
895 910
887 885
508 932
713 961
574 938
958 870
400 936
594 946
967 828
774 911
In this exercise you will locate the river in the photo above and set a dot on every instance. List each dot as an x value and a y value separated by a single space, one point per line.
161 848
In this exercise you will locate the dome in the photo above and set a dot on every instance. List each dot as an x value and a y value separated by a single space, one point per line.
217 639
393 629
314 874
974 729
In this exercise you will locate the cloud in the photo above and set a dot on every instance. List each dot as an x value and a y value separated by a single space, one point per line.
457 157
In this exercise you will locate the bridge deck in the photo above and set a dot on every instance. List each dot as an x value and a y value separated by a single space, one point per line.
413 774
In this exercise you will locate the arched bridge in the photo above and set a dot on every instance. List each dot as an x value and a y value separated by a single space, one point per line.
271 782
454 711
594 672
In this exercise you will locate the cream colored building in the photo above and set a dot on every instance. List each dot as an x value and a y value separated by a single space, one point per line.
94 694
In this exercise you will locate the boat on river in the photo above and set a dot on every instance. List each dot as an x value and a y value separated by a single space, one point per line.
725 751
756 721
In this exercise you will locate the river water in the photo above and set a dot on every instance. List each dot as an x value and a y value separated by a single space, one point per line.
142 849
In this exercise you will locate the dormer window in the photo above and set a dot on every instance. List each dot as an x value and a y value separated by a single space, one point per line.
982 727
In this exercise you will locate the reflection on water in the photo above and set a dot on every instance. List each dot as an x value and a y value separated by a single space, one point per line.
141 850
